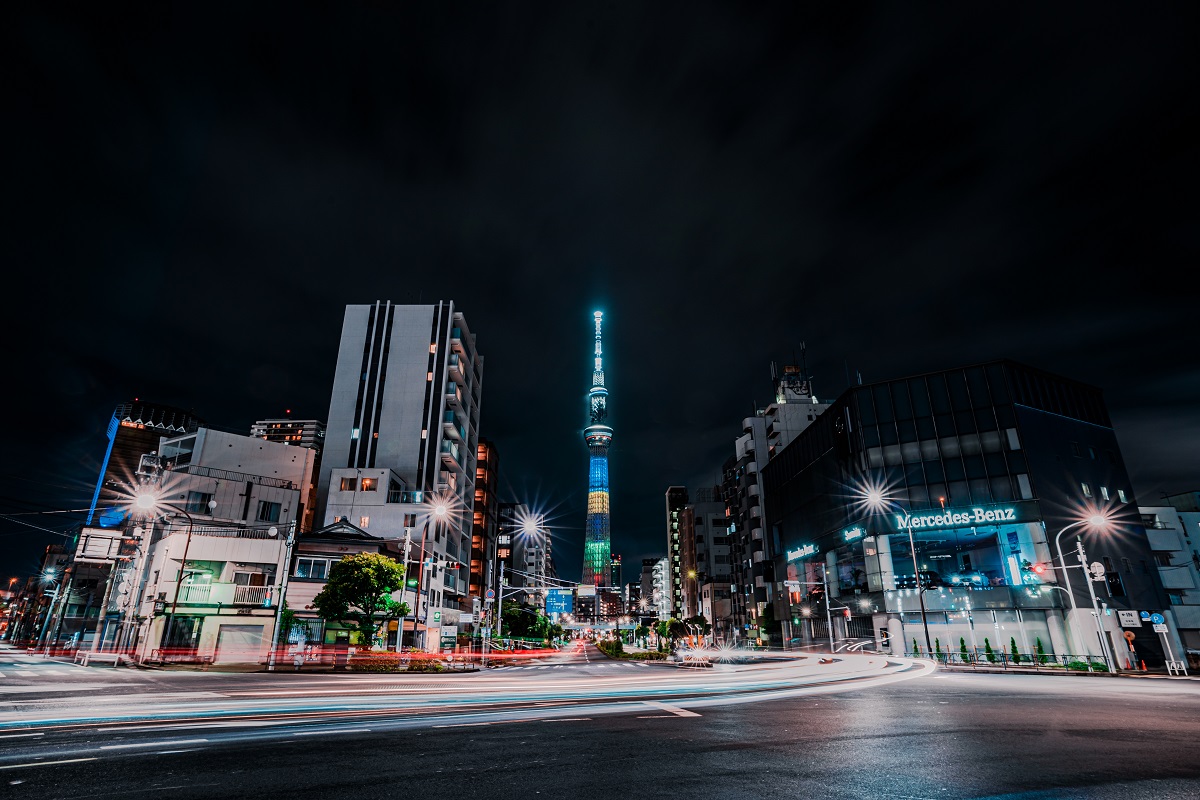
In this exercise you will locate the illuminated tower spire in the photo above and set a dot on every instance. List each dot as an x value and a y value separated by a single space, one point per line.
597 544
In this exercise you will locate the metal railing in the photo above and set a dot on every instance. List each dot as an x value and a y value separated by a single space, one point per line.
1001 659
251 595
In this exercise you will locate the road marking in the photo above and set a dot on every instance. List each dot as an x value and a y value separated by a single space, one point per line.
47 763
321 733
152 744
569 719
19 735
676 710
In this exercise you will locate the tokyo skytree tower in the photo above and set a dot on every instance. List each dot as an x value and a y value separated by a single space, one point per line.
597 537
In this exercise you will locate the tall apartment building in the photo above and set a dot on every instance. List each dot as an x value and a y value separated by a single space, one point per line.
661 591
755 583
949 507
485 520
681 550
713 573
308 433
402 444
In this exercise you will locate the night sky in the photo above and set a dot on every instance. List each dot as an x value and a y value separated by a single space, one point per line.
192 197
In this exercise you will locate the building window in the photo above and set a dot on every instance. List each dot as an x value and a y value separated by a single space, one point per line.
369 484
197 502
1121 496
355 433
314 568
1104 492
1087 490
410 520
348 484
268 511
1076 450
364 522
1162 559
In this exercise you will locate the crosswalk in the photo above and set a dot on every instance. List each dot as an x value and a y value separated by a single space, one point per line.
11 670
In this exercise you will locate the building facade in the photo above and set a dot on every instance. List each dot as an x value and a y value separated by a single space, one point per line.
1173 531
401 447
930 512
212 553
755 584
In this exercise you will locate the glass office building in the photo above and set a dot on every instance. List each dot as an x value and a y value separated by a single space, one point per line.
949 490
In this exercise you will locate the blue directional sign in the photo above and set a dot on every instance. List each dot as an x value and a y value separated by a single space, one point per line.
559 601
1157 619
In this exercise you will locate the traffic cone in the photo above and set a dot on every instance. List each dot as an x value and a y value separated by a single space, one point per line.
1143 665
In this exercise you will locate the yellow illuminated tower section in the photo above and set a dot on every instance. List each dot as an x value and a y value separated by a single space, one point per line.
597 544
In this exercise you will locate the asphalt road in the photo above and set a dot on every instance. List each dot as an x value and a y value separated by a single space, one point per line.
585 725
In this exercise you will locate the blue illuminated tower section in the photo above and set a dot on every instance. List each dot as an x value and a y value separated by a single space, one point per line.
597 544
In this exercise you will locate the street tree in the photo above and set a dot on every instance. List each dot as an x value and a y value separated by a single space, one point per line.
359 591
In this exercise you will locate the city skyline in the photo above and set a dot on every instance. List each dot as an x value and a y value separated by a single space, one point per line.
723 206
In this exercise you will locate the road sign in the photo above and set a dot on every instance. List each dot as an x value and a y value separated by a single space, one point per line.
1097 570
1160 627
1129 619
490 594
464 619
437 616
1157 619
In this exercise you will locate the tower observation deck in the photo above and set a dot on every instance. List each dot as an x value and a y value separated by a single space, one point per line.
597 544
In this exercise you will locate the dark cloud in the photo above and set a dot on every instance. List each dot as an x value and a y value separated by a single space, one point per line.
195 195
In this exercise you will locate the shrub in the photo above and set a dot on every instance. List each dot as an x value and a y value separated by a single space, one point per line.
962 649
425 663
376 662
1041 652
988 652
937 648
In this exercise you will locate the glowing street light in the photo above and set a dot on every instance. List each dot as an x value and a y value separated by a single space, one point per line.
876 500
1100 522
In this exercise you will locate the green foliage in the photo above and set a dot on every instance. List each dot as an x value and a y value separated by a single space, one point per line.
358 591
916 647
523 621
287 623
937 647
1016 654
988 653
962 649
1041 652
375 662
425 663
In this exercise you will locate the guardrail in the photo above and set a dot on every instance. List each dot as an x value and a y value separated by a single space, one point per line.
1056 662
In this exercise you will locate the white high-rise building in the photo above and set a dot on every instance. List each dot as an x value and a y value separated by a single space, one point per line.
401 446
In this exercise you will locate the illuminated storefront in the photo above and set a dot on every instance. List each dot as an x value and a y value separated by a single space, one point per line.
979 468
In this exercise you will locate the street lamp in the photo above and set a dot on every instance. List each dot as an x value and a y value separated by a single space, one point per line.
436 512
49 576
148 503
877 501
287 568
1097 521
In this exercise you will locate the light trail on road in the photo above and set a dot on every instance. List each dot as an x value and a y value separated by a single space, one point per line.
389 703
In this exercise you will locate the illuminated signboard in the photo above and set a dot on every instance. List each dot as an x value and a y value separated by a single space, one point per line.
801 552
852 534
961 518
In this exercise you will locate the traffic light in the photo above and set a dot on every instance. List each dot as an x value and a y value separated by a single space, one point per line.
846 611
